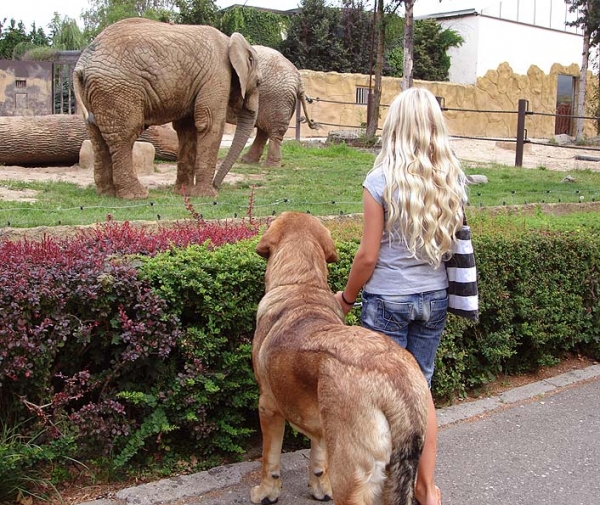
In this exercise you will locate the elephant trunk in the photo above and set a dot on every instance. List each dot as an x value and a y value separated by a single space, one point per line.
246 120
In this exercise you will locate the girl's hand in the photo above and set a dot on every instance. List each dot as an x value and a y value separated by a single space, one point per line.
346 307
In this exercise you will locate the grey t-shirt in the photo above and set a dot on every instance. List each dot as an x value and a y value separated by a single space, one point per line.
396 271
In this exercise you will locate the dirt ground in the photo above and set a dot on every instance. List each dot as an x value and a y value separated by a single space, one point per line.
468 150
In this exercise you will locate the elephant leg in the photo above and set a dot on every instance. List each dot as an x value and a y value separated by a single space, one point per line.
274 149
256 149
125 179
210 124
102 163
120 125
186 158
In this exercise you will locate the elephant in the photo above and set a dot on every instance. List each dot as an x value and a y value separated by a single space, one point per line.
280 87
138 72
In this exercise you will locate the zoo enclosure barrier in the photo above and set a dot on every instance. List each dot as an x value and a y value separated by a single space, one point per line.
521 114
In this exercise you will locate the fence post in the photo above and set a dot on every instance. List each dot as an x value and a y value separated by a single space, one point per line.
520 132
298 111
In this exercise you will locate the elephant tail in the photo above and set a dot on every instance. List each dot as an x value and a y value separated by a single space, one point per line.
78 89
305 101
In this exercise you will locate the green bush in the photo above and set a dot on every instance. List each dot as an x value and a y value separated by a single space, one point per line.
149 356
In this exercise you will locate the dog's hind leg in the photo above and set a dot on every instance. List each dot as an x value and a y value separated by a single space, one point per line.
272 425
318 477
358 458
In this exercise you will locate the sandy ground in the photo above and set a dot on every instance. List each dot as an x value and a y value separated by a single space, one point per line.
468 150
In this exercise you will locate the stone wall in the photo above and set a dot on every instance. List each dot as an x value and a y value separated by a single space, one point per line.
498 90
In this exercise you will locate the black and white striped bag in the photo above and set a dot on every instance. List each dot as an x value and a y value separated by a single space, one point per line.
463 295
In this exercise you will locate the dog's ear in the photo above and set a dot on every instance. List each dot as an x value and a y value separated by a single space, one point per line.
269 239
264 247
331 255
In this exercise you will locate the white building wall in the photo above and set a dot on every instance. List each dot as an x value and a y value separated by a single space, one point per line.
464 59
522 45
490 41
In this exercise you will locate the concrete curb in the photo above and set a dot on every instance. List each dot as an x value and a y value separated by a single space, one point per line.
190 486
464 411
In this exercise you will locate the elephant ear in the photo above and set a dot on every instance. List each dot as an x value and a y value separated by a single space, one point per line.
244 60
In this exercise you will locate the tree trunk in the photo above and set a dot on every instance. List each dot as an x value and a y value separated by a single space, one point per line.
56 140
373 119
407 71
41 140
582 86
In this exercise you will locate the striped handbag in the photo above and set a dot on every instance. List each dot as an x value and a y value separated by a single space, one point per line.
463 295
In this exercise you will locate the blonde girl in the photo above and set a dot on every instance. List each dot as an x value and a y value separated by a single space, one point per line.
413 204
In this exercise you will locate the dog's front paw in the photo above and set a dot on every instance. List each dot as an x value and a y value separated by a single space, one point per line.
320 487
265 494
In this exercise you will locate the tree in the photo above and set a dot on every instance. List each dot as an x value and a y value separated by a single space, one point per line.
65 34
431 44
257 26
357 30
375 98
198 12
588 20
313 40
13 34
106 12
407 72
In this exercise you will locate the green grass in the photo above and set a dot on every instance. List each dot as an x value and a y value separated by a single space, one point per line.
319 180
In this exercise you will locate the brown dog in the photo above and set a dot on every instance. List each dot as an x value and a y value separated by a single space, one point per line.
358 396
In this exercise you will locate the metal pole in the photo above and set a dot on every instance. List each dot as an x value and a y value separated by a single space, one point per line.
520 132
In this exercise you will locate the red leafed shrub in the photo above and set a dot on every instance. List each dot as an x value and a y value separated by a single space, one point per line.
79 328
122 238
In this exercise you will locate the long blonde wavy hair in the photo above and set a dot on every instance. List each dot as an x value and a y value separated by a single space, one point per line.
425 187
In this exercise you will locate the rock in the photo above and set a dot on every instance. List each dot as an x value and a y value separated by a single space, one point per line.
143 157
512 146
339 136
477 179
563 139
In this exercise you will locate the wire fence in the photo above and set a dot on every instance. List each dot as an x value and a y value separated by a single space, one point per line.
17 216
158 212
520 115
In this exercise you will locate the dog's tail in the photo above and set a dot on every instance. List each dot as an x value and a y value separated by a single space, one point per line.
377 422
402 470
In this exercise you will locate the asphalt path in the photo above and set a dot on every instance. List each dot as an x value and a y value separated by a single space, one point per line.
534 445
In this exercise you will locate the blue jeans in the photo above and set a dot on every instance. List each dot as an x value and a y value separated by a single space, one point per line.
415 322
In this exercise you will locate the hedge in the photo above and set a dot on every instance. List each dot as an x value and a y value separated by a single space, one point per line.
143 358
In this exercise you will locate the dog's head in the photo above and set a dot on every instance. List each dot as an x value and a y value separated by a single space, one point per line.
299 227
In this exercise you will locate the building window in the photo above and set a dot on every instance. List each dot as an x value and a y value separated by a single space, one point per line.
20 83
362 95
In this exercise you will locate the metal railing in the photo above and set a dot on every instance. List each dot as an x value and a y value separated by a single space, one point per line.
521 114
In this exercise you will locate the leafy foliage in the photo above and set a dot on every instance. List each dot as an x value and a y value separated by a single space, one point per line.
257 26
198 12
65 34
356 26
431 44
313 41
341 40
93 351
103 13
140 359
13 34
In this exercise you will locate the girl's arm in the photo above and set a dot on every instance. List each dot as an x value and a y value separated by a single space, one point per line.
367 254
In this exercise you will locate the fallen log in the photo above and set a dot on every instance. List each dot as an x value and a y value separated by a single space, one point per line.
164 139
37 141
41 140
584 157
